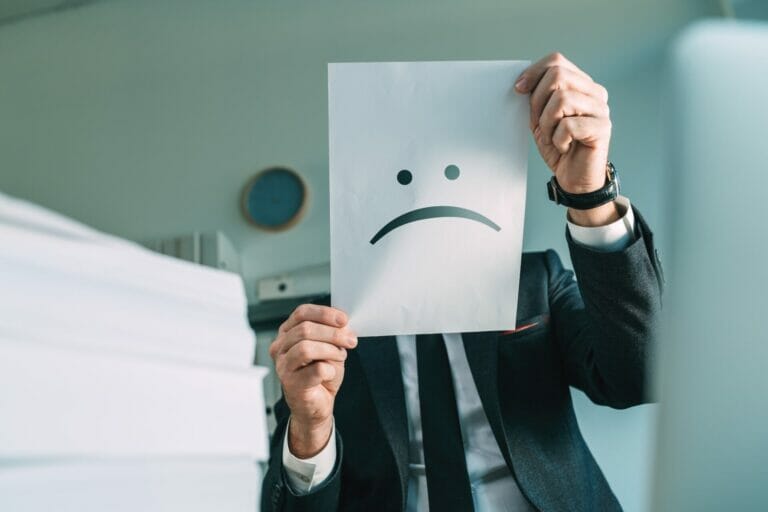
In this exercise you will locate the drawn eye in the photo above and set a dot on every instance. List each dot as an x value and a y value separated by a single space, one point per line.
404 177
452 172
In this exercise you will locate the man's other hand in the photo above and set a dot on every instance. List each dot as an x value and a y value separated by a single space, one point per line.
309 354
571 125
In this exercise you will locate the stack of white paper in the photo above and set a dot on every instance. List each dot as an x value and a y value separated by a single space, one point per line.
125 376
69 285
222 484
61 402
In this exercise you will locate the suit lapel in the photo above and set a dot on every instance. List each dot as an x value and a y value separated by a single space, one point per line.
482 354
381 364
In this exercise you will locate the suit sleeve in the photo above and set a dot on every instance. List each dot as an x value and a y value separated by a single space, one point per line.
276 493
604 323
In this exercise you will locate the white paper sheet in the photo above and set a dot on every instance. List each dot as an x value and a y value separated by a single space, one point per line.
449 269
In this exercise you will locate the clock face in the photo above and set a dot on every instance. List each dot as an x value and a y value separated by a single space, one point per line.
274 199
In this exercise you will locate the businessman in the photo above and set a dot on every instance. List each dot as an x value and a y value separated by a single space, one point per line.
483 421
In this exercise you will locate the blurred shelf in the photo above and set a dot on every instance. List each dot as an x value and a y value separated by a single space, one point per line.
268 315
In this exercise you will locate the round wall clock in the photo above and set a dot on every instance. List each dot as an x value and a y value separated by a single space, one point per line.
274 199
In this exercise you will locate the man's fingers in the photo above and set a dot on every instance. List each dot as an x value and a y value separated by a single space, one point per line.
564 104
529 78
314 313
307 352
562 78
341 337
313 375
274 347
581 129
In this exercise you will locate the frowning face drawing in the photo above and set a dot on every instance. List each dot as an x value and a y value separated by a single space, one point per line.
427 181
405 177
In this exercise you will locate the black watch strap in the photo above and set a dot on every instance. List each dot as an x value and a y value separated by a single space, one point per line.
590 200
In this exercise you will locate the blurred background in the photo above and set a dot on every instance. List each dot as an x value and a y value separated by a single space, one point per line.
146 119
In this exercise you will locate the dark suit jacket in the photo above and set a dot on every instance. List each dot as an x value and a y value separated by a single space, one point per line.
593 335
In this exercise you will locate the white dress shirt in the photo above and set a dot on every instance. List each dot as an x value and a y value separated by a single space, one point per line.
493 487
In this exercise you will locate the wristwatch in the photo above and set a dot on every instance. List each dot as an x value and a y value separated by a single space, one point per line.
590 200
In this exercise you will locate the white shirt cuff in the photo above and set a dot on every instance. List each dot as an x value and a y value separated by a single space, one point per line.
306 474
612 237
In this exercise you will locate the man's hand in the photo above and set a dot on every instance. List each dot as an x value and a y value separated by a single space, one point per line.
571 125
309 354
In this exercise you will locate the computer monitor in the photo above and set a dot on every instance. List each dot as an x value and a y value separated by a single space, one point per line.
712 355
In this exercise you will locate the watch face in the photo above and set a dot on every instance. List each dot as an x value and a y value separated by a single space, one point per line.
274 199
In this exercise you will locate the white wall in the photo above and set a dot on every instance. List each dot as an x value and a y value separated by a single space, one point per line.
144 118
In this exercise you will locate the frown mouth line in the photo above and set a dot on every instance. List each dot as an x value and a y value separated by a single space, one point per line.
432 212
